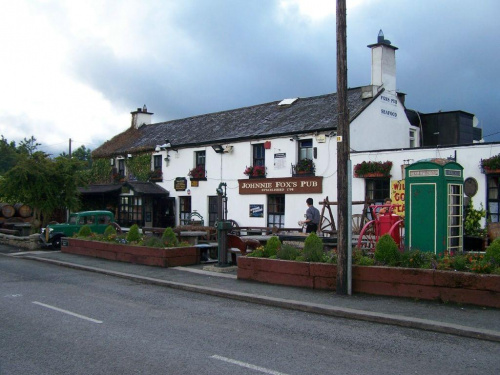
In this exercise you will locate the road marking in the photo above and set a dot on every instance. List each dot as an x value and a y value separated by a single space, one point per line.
67 312
247 365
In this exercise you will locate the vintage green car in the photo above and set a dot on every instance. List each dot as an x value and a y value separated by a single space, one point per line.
98 221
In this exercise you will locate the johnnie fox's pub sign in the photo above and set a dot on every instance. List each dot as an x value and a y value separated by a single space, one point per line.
289 185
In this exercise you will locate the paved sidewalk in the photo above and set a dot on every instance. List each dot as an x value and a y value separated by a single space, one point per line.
468 321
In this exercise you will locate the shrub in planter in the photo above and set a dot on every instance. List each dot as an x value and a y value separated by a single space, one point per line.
84 231
257 253
361 259
169 238
288 252
386 251
272 246
153 241
109 233
133 234
493 252
313 248
416 259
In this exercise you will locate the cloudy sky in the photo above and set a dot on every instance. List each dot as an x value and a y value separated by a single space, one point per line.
77 68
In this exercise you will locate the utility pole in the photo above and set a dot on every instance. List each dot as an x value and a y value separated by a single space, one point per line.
70 148
343 149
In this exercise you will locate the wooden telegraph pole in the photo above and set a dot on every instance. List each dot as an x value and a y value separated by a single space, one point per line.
342 150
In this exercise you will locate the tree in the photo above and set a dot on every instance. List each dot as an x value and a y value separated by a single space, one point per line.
8 155
28 146
44 184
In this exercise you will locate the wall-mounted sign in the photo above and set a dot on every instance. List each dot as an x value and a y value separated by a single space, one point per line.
195 183
180 184
453 172
290 185
280 160
256 210
424 173
398 196
389 100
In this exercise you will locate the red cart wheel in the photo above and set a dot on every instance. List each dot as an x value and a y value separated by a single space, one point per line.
367 237
397 232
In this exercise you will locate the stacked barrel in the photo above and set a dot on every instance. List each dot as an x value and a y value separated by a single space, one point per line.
16 213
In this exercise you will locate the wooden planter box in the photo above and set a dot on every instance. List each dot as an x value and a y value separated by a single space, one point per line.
150 256
449 286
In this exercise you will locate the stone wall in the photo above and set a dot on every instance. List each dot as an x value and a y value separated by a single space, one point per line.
26 242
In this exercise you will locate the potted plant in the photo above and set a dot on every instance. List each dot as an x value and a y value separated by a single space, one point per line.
156 175
373 169
491 165
257 171
198 172
304 166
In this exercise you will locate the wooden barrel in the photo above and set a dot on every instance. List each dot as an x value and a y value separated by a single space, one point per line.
7 210
22 210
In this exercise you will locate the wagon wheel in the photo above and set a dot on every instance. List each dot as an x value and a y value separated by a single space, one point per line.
367 238
117 227
358 221
326 226
235 228
397 231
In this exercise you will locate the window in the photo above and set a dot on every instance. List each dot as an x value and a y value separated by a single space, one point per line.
259 155
305 149
493 201
157 162
185 210
412 138
121 167
200 158
377 189
276 211
212 210
130 211
455 219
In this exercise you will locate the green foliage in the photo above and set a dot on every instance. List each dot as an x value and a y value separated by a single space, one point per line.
133 234
9 154
99 173
153 241
140 166
109 233
85 231
491 163
416 259
493 252
257 253
386 251
472 223
43 183
361 259
313 248
366 167
272 246
169 238
287 252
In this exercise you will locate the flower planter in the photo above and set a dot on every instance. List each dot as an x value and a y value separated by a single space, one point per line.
368 175
150 256
491 170
449 286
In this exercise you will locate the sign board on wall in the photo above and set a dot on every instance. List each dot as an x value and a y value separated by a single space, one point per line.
280 160
398 196
290 185
180 184
256 210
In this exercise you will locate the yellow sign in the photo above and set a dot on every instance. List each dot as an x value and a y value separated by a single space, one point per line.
398 196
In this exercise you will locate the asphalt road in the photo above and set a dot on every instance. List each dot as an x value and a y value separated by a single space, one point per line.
56 320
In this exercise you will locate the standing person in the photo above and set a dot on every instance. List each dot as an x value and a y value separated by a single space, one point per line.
312 217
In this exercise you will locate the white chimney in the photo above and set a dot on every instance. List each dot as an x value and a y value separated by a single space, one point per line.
384 64
141 117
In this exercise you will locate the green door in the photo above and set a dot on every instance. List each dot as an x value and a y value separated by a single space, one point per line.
422 231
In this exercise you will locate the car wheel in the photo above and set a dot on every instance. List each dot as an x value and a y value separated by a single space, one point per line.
56 243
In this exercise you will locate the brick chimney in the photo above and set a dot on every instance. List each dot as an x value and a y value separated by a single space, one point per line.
141 117
383 64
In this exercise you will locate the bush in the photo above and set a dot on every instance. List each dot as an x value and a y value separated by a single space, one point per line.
313 248
288 252
415 259
85 231
109 233
493 252
386 251
153 241
257 253
272 246
169 238
133 234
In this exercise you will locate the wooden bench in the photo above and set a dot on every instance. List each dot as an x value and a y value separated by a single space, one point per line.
12 232
238 246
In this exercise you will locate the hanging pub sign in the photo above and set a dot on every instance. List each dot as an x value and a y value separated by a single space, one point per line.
290 185
180 184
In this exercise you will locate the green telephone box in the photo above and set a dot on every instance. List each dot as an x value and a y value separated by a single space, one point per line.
434 206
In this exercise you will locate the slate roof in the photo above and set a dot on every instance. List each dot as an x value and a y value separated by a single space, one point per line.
306 115
141 188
